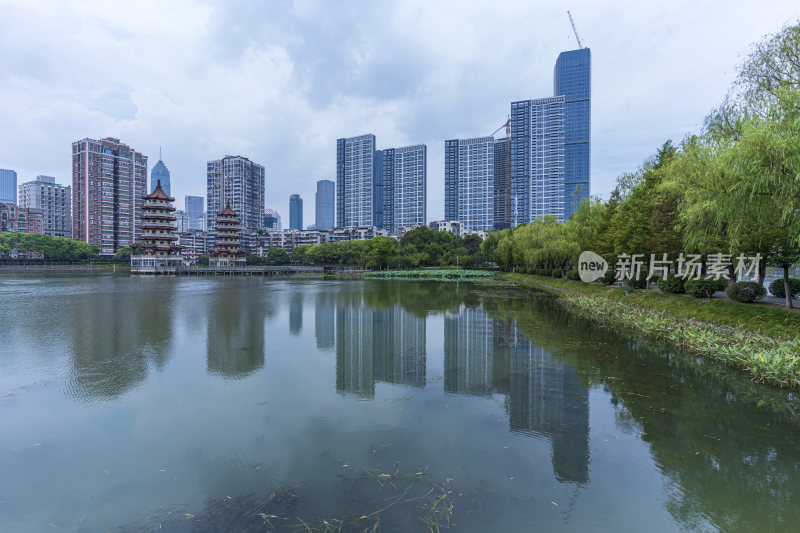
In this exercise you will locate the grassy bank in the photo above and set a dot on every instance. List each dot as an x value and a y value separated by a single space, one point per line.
761 340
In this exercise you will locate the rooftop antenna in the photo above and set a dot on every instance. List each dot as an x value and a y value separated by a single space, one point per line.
159 153
580 44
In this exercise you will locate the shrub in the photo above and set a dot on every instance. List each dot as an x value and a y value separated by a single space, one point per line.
745 291
672 283
696 289
776 288
719 284
556 273
573 275
609 277
636 283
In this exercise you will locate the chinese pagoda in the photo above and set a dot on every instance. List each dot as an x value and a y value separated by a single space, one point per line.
157 251
226 252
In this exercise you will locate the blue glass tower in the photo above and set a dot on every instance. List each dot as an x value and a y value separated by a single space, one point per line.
8 186
160 172
296 212
572 79
325 202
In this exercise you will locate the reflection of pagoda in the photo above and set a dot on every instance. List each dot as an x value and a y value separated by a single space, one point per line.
227 252
157 244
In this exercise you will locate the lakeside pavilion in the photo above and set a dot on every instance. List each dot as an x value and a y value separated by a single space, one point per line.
227 253
157 249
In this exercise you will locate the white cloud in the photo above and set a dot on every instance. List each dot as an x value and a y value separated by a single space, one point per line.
280 82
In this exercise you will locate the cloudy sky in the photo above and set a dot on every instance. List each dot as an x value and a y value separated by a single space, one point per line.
280 81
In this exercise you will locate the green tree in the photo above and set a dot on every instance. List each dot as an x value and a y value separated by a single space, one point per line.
277 256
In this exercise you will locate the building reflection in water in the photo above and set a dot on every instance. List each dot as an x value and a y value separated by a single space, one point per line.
113 346
324 320
296 313
235 345
544 397
372 345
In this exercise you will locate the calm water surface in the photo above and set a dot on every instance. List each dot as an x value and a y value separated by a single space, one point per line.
123 398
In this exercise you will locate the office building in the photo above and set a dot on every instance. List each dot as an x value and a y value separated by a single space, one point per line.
109 180
469 182
193 205
572 79
54 201
325 205
160 173
240 182
355 182
402 182
181 220
295 212
8 186
272 220
537 159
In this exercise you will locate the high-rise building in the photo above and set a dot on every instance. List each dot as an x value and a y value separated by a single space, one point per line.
240 182
272 220
160 173
572 79
402 174
109 180
325 205
8 186
469 182
537 159
53 200
194 210
181 220
296 212
502 184
355 181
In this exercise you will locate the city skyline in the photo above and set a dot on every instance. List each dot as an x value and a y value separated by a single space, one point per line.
147 101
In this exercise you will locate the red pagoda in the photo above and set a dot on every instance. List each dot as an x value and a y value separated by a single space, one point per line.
227 252
157 250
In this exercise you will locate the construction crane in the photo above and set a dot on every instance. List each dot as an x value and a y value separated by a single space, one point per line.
580 44
507 198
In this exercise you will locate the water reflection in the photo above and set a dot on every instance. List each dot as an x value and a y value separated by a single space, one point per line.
377 345
325 320
235 334
112 345
296 313
544 397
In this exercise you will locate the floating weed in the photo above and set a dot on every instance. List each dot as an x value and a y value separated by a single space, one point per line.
378 497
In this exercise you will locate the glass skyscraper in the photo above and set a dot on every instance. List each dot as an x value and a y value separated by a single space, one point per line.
537 159
160 172
296 212
403 185
325 201
469 182
572 79
8 186
194 210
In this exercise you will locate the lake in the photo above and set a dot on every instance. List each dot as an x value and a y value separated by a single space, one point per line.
245 404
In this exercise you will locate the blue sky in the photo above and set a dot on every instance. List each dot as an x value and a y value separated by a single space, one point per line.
279 81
